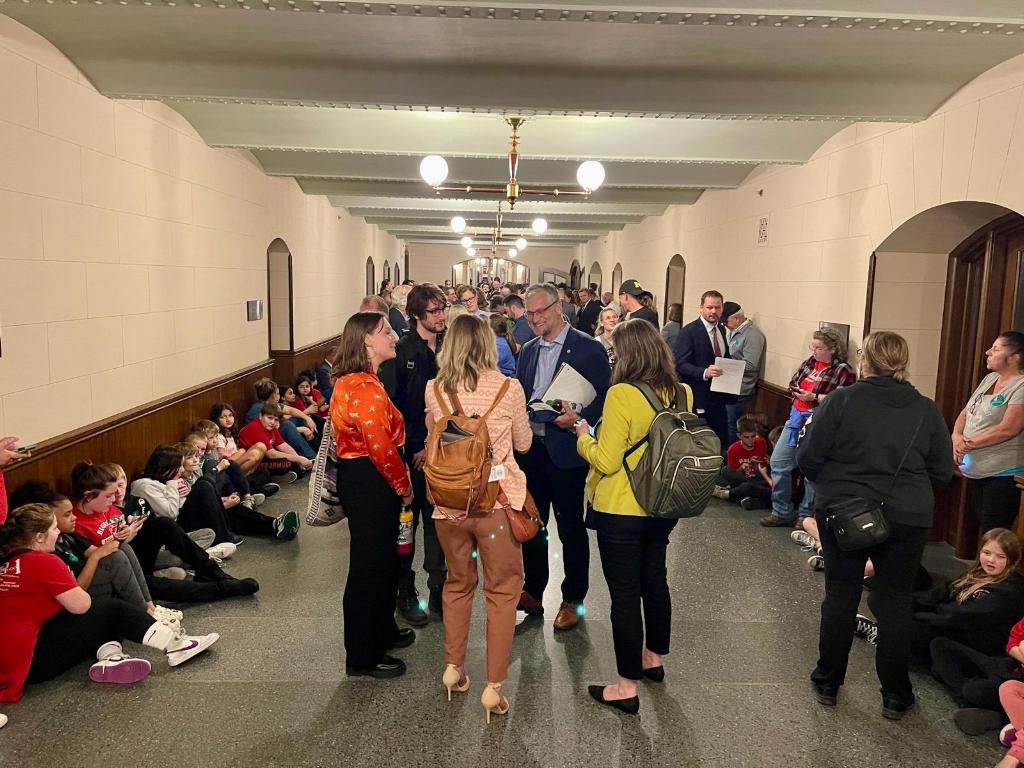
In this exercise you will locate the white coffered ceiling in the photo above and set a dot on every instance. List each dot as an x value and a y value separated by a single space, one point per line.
674 98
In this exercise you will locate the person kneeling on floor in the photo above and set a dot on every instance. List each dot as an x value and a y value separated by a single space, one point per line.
745 477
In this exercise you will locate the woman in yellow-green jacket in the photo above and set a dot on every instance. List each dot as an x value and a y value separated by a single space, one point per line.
632 545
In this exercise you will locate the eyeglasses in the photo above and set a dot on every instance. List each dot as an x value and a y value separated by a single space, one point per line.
530 314
435 311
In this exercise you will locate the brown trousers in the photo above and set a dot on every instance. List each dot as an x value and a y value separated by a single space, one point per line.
489 540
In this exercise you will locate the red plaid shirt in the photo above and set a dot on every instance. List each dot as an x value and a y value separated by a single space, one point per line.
838 374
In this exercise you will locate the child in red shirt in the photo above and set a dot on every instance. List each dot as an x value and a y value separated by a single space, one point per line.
97 517
263 431
745 478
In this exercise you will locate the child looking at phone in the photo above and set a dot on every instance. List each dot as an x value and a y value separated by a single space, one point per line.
745 477
93 491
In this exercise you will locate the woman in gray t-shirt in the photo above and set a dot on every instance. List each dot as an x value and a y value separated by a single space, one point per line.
988 443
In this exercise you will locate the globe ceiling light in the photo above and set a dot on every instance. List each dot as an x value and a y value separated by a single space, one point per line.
539 225
590 175
521 244
512 253
458 224
467 242
479 261
434 170
471 252
501 262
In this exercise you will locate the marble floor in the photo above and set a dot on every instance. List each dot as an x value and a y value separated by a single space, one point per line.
273 691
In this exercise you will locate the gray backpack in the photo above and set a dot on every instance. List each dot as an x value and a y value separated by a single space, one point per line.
676 475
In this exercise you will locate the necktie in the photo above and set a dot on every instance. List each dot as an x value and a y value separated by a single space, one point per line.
715 343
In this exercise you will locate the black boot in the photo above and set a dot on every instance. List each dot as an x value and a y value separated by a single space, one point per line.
436 604
238 587
409 608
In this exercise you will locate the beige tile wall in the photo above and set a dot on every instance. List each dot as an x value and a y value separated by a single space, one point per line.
130 248
828 215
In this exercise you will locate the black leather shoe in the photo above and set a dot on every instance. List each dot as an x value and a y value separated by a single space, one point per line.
386 668
405 638
825 693
657 674
894 707
409 609
435 604
629 706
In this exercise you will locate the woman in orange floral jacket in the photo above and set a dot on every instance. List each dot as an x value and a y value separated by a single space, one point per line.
373 484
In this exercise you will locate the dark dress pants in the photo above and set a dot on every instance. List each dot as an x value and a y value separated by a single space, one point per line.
995 502
896 562
718 420
633 560
372 508
564 490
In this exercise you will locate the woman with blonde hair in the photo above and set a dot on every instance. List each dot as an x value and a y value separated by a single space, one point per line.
373 484
606 323
881 441
468 381
632 545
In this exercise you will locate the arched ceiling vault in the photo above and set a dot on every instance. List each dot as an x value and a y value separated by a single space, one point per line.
674 98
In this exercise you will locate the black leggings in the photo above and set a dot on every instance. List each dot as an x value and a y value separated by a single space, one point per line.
203 508
159 532
251 522
69 638
994 501
973 677
232 480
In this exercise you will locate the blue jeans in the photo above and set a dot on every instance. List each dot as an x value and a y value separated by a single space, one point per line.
291 435
783 464
733 413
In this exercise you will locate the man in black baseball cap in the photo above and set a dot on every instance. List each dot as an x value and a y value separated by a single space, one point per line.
631 295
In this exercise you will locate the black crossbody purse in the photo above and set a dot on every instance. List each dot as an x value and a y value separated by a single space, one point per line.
859 523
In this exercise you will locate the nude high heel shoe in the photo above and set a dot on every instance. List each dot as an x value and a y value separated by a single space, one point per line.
451 679
493 702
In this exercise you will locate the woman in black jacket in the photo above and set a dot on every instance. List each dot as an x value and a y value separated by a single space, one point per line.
852 448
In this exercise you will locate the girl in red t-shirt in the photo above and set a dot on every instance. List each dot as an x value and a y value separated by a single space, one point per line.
93 493
49 623
308 399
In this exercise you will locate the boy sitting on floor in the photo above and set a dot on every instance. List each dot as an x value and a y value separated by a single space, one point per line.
745 477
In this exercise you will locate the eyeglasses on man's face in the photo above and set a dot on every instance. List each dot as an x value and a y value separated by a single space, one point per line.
530 315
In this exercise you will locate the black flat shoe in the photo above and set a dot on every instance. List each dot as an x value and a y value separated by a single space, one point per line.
386 668
894 708
826 693
629 706
657 674
405 638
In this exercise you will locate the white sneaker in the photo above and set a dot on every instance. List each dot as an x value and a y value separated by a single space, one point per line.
3 720
721 492
175 573
222 551
804 539
120 669
185 647
258 498
167 615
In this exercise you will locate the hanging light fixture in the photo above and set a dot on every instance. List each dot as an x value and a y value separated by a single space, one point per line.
512 253
434 170
471 252
539 225
590 175
521 244
458 224
466 241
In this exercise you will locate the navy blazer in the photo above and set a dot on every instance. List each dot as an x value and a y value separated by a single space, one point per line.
694 353
586 354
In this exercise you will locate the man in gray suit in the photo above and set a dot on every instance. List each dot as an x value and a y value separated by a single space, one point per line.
746 342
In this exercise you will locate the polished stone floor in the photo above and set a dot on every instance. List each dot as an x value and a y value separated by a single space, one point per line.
273 691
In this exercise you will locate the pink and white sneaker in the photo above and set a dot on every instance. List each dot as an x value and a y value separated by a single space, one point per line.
1008 736
115 666
184 647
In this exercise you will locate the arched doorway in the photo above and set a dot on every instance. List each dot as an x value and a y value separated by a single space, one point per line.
398 275
387 271
616 278
279 297
575 274
596 277
371 277
948 280
675 282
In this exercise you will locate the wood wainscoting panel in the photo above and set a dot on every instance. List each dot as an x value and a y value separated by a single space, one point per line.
774 402
128 438
287 365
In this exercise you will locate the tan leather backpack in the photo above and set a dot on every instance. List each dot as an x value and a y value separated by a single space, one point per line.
459 458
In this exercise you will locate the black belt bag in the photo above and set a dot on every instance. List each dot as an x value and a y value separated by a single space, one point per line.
859 523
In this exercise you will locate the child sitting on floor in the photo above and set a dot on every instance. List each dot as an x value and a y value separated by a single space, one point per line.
745 477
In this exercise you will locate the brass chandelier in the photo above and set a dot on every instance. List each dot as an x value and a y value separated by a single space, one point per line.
434 170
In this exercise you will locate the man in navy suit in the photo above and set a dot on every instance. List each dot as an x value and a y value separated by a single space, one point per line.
697 346
555 473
